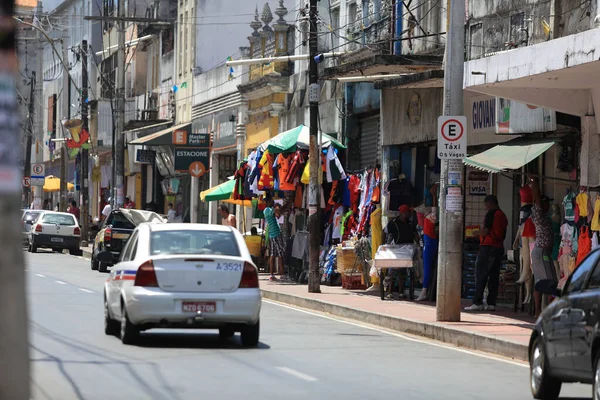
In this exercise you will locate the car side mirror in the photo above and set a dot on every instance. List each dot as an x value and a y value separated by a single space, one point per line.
549 287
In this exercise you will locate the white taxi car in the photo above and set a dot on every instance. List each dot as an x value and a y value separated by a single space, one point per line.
183 276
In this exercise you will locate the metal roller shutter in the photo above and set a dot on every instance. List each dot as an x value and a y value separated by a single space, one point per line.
370 150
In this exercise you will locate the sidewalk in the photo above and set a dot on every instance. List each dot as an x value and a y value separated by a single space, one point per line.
502 332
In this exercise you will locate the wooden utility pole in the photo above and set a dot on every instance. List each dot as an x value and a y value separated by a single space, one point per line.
64 156
449 280
29 132
119 160
84 204
14 346
314 214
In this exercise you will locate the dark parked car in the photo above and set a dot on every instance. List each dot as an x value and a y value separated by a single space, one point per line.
565 344
27 219
115 231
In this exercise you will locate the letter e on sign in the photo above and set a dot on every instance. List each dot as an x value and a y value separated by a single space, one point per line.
180 137
452 138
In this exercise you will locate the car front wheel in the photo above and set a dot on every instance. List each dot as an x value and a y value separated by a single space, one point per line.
250 334
543 386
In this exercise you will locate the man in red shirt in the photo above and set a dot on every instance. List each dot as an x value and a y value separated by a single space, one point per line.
489 259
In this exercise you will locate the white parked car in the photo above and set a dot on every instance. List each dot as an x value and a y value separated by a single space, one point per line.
56 231
183 276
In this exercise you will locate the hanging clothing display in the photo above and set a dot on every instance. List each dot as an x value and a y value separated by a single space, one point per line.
376 231
400 192
584 245
266 180
282 168
333 166
569 207
338 215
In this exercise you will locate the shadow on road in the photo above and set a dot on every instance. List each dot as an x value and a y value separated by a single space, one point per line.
103 358
192 340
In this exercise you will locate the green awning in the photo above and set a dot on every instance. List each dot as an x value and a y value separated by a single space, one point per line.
509 156
219 192
297 138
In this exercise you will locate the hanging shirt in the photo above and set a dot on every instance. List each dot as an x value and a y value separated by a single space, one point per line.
267 179
596 216
283 168
583 201
401 192
334 169
353 188
336 232
345 192
569 208
296 166
567 233
584 245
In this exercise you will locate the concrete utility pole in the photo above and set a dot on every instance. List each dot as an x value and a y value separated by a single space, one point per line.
314 220
448 306
84 204
119 159
30 133
63 145
14 346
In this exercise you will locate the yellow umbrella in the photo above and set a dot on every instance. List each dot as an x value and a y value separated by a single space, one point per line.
52 184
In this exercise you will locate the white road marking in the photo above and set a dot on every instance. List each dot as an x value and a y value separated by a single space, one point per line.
40 275
61 282
297 374
85 290
429 342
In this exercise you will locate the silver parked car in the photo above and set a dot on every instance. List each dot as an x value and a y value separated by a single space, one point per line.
183 276
56 231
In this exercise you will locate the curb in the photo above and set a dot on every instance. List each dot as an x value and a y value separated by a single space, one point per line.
471 341
86 254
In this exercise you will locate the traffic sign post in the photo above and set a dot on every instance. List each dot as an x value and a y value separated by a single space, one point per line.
452 138
197 169
37 174
26 181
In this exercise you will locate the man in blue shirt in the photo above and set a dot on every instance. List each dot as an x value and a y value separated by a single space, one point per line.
276 242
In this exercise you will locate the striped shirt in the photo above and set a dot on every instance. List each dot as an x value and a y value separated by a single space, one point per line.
274 229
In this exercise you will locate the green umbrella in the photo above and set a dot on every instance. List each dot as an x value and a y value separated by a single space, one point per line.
297 138
219 192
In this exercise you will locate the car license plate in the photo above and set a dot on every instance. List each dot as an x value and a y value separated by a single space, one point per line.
205 307
56 240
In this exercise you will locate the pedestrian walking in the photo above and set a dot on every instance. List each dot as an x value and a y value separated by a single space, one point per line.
73 209
489 259
227 218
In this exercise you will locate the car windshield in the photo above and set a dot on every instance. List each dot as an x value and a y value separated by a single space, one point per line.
204 242
58 219
138 216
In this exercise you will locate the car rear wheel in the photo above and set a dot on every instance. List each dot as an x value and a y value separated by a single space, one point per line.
250 334
129 332
226 333
94 263
102 267
33 248
75 251
111 327
543 386
596 393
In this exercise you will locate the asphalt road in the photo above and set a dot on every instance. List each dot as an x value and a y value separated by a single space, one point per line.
301 356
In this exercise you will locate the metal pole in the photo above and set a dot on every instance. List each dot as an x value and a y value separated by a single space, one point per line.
29 132
84 204
119 197
449 280
14 346
63 146
314 223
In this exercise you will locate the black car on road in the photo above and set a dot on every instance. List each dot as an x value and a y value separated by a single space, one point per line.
565 343
114 232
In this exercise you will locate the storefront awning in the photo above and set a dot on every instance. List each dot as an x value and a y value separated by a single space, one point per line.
160 138
509 156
